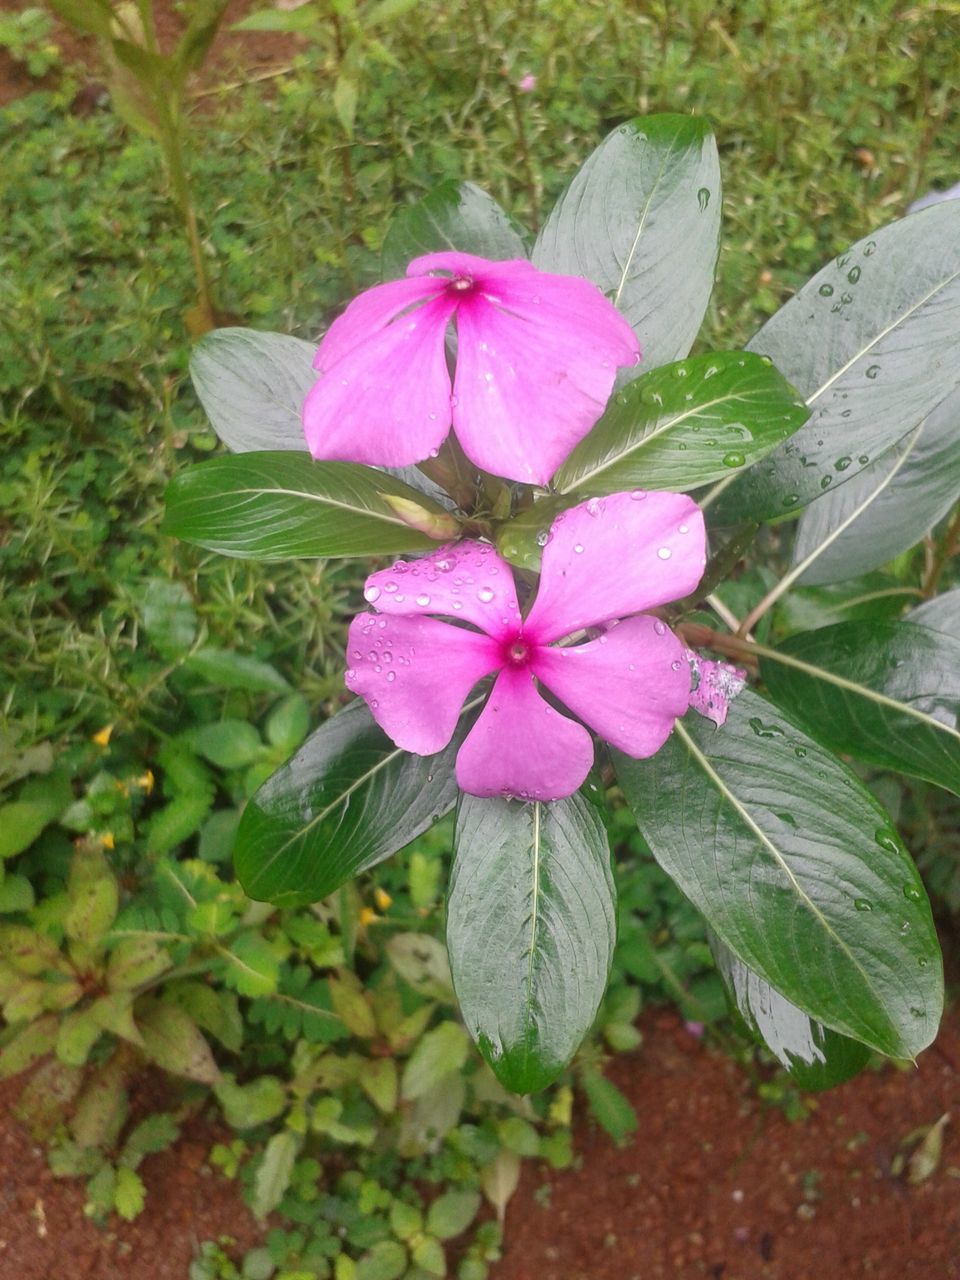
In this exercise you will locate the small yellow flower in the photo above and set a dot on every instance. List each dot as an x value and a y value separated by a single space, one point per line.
382 899
145 781
102 737
366 916
106 839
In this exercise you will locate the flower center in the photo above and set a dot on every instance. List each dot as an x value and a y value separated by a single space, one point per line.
461 284
516 653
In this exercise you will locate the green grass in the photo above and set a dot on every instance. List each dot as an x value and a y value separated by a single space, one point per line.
828 123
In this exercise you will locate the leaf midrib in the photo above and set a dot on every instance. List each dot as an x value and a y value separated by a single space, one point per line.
725 792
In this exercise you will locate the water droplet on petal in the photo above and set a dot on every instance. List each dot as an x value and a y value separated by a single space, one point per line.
391 676
578 548
350 673
659 628
683 528
371 594
664 553
423 601
485 595
638 495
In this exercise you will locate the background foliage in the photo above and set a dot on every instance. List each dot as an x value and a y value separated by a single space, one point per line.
115 848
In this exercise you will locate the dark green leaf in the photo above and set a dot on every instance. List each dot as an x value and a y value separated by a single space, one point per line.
917 495
684 425
169 618
816 1057
521 540
611 1110
348 799
229 670
796 868
641 219
271 506
252 386
874 596
93 16
884 692
453 216
530 931
872 343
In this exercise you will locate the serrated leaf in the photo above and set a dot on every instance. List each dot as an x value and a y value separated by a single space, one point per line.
910 495
452 216
252 386
177 821
815 1057
379 1080
78 1033
247 1105
348 799
155 1133
530 931
129 1194
174 1041
273 506
35 1041
252 965
684 425
796 869
134 961
611 1110
351 1006
884 692
871 343
274 1173
441 1052
641 218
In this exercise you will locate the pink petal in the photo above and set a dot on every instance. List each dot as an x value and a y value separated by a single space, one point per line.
611 557
536 360
718 683
522 747
629 685
385 402
466 580
367 314
414 674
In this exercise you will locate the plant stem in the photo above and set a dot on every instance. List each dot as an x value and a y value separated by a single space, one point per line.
171 144
947 549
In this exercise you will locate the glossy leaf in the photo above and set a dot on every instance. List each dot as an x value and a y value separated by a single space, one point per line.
348 799
521 540
815 1057
940 614
872 343
271 506
684 425
920 493
884 692
453 215
797 870
530 931
641 218
252 386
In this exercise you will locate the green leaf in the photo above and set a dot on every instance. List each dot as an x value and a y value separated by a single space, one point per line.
346 93
289 723
229 744
228 670
21 821
907 501
173 1041
304 20
271 506
872 343
247 1105
815 1057
683 425
348 799
274 1173
177 821
940 614
530 931
451 1213
36 1040
134 961
608 1106
387 1260
796 869
16 894
641 218
253 966
441 1052
452 216
169 618
93 16
421 961
156 1133
129 1194
884 692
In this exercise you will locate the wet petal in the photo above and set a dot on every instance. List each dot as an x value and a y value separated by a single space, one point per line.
466 580
629 685
386 402
532 380
611 557
454 263
414 674
717 684
522 747
367 314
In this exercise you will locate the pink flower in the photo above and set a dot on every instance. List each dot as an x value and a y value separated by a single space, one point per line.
527 83
717 684
604 560
536 358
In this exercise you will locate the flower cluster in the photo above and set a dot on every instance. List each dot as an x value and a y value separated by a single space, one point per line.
536 357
